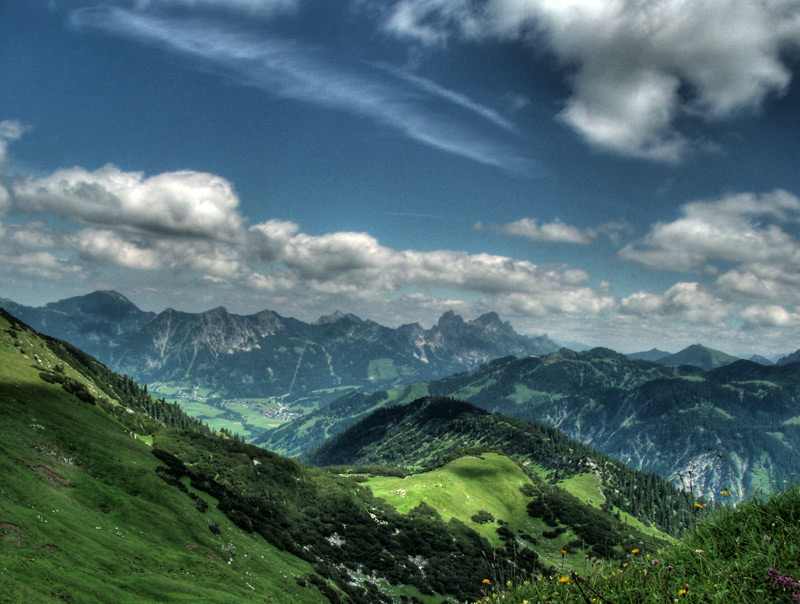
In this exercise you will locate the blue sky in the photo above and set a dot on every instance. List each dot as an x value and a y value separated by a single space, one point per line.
618 173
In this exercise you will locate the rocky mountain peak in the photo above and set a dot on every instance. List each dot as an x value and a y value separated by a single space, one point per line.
337 316
219 310
450 319
792 358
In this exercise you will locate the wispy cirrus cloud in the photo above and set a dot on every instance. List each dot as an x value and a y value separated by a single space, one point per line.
418 108
253 7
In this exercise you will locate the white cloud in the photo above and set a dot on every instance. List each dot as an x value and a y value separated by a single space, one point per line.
184 203
556 231
770 315
189 224
752 233
10 130
41 265
635 67
356 264
682 302
550 232
285 68
119 248
739 228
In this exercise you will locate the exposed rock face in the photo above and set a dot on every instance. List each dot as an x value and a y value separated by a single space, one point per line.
265 354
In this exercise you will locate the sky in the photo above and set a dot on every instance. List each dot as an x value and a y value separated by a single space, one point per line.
619 173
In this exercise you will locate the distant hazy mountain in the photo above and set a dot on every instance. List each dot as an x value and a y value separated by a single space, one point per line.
265 354
698 355
734 427
790 358
757 358
96 323
654 354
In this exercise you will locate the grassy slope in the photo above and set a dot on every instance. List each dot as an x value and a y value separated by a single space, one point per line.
728 558
490 482
460 489
84 517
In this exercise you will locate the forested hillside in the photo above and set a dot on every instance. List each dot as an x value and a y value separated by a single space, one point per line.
100 497
427 431
736 428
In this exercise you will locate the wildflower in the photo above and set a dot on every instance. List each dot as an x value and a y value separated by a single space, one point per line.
682 592
634 551
563 553
725 492
486 581
509 584
655 561
699 506
564 579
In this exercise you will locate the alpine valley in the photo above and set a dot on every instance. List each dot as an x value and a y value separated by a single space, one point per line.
699 414
109 494
216 356
735 428
112 494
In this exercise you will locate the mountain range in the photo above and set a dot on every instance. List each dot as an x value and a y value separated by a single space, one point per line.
730 424
267 355
109 494
735 428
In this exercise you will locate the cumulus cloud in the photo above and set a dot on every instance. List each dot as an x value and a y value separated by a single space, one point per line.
184 203
683 301
356 263
549 232
634 67
770 315
189 224
752 232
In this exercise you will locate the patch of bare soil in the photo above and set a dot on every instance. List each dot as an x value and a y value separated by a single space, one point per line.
52 475
11 533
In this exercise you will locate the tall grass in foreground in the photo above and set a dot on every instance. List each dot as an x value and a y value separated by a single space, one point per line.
744 554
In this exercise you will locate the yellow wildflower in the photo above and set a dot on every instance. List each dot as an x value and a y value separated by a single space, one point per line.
563 552
698 505
564 579
486 581
634 551
725 492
